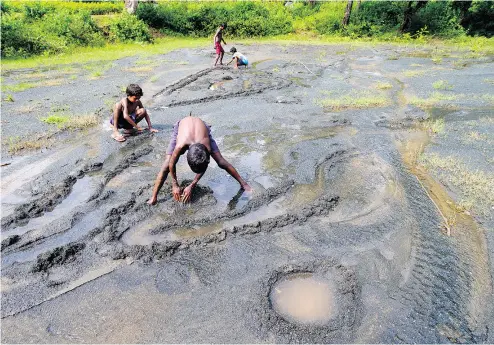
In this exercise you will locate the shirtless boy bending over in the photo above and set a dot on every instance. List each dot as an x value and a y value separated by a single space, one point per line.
193 135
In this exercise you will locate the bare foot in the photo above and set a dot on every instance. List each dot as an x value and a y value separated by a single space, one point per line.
118 137
152 201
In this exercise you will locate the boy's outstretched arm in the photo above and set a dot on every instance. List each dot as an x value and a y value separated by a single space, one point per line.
172 167
160 180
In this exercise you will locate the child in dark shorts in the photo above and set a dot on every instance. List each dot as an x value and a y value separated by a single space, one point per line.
128 112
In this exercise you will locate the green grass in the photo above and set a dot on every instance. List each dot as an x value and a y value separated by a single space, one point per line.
436 99
9 98
71 122
435 126
58 120
109 52
476 186
383 86
479 45
442 85
354 100
412 74
18 87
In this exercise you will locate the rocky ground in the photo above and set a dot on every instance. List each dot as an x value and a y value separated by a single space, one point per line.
372 175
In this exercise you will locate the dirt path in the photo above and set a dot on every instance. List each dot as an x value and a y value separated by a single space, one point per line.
358 212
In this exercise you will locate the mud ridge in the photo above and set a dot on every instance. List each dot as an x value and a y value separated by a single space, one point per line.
56 257
47 201
193 77
262 199
169 248
281 85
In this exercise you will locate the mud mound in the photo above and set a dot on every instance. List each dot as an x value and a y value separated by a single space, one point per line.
56 257
218 83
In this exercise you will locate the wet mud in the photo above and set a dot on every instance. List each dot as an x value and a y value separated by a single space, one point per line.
345 218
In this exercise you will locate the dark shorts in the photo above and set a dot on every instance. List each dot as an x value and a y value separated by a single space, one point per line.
219 48
122 123
173 139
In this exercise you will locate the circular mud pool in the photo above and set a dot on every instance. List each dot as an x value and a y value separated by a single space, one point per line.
310 302
303 298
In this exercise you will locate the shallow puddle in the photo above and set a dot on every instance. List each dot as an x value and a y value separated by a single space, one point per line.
81 191
303 298
89 222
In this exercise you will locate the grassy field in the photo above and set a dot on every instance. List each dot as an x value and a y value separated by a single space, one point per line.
475 46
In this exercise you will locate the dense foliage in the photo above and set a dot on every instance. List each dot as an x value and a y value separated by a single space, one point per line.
44 27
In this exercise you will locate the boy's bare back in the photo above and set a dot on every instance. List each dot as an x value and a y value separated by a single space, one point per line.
192 130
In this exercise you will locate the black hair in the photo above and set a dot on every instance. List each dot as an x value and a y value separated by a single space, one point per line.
198 158
134 90
233 50
223 25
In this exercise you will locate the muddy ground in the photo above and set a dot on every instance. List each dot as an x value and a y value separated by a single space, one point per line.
349 205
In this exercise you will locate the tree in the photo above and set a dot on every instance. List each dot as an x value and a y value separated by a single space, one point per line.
410 11
348 11
131 6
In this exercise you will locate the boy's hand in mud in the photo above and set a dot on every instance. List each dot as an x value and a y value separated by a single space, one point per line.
176 193
139 129
247 189
153 130
187 193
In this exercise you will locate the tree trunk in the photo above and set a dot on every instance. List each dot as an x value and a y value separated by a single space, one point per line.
348 12
409 13
131 6
358 4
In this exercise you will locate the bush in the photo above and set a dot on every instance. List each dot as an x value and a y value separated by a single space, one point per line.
202 19
19 39
127 27
439 18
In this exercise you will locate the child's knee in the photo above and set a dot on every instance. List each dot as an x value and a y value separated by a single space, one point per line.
141 112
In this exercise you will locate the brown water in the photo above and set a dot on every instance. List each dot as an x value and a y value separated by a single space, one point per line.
303 298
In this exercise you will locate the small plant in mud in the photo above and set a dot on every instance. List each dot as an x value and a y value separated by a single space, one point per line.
435 100
154 79
437 59
384 86
412 74
72 122
9 98
442 85
433 126
58 120
16 144
489 81
354 100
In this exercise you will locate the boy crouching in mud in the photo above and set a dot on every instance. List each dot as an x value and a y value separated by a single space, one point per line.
193 135
239 58
128 112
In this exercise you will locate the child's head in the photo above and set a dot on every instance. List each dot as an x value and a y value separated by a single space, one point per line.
198 158
134 90
233 50
223 25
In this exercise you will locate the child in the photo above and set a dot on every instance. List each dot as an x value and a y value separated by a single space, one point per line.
218 37
191 134
240 59
128 112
